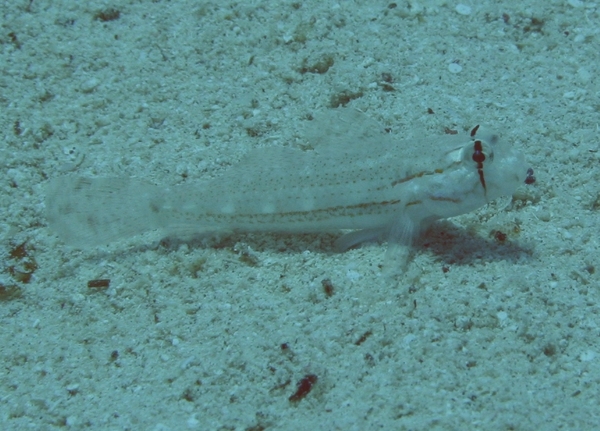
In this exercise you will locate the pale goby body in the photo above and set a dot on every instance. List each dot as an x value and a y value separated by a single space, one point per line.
351 175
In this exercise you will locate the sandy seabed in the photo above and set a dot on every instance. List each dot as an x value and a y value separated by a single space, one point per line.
494 325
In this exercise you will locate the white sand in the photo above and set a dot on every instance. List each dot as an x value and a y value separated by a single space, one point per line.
189 337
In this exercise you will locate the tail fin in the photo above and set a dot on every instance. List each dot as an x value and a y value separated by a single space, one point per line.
87 212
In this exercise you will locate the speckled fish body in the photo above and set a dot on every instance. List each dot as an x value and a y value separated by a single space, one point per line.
352 176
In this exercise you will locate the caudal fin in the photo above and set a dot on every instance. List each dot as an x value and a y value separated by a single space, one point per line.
87 212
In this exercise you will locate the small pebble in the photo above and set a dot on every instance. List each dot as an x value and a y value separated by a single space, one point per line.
89 85
454 67
463 9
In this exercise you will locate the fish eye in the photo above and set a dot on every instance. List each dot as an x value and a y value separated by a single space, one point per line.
479 152
482 152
